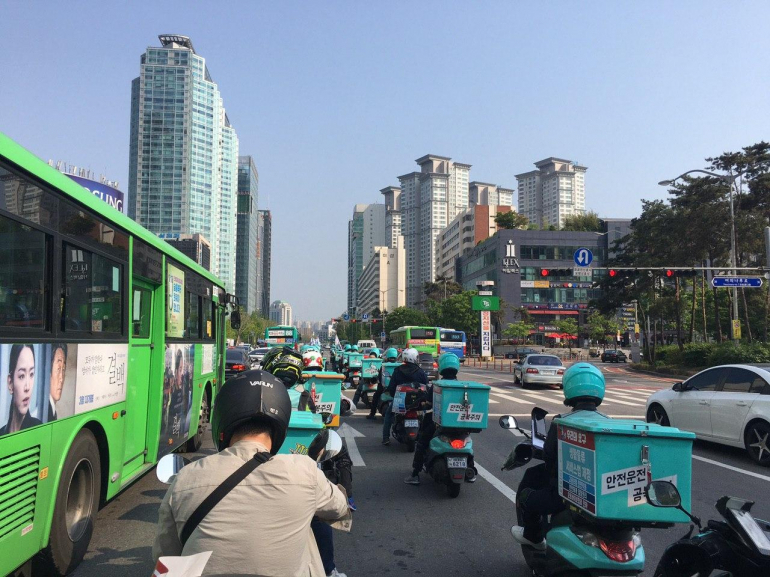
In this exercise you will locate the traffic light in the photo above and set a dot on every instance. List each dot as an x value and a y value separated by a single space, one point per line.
555 272
616 273
544 272
682 273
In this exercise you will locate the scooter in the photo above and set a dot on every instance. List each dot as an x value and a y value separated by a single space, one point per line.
408 417
449 460
736 547
576 545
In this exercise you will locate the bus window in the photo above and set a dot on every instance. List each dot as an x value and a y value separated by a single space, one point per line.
23 278
92 292
142 313
193 316
207 316
23 198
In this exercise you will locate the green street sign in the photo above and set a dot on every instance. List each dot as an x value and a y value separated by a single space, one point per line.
485 303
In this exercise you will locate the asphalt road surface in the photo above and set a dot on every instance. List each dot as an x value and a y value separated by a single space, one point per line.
406 530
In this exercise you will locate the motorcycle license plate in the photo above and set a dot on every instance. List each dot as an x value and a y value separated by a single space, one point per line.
457 462
411 423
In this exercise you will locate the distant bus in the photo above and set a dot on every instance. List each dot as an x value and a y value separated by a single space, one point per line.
112 347
424 339
452 341
281 335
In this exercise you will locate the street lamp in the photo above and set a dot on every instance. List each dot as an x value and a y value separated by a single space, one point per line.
382 306
729 180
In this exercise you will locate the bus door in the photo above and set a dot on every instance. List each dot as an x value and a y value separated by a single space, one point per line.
141 380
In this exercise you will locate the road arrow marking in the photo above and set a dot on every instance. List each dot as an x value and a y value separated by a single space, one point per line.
349 433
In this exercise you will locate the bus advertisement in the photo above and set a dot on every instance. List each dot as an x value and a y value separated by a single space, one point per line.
112 343
281 336
424 339
452 341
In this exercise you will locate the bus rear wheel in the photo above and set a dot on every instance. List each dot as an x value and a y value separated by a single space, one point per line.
194 443
75 508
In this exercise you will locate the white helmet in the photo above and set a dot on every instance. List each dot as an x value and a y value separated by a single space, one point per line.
410 355
312 361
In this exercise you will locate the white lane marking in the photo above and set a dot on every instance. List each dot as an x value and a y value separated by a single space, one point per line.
492 401
349 433
508 380
731 468
497 483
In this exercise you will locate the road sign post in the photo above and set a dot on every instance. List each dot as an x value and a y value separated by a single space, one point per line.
583 257
736 281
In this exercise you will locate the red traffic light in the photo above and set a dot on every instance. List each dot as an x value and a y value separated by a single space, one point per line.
613 273
544 272
670 273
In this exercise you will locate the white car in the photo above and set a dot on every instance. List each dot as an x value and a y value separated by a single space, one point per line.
539 370
729 404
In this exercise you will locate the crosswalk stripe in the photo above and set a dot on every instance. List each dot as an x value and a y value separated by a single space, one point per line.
556 398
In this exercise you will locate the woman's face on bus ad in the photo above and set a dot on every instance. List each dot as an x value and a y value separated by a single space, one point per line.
21 381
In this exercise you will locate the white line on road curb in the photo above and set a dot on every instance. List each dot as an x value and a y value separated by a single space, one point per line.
731 468
497 483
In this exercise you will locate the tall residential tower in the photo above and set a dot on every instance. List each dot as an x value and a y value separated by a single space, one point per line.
183 152
556 190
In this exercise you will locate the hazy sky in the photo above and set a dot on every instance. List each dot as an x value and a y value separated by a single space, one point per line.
336 99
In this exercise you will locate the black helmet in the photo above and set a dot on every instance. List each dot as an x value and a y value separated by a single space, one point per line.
286 365
270 356
252 395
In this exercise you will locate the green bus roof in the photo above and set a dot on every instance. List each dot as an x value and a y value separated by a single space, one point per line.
30 163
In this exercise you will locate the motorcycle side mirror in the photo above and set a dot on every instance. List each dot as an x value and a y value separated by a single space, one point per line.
318 445
663 494
508 422
168 467
328 418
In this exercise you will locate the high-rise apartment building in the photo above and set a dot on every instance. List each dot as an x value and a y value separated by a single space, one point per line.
365 231
194 246
392 214
430 199
489 194
556 190
468 228
264 248
382 285
247 235
183 151
280 313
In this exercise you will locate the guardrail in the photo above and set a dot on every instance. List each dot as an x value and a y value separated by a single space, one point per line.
506 365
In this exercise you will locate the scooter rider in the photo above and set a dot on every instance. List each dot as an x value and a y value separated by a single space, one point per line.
264 521
390 356
448 367
374 353
408 372
288 368
538 495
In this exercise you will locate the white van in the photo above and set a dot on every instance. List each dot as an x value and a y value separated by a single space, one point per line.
366 345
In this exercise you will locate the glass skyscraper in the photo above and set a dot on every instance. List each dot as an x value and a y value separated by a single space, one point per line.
247 243
183 165
264 248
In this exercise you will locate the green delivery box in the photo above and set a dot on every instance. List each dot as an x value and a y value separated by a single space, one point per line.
460 404
303 427
355 360
326 389
370 368
605 464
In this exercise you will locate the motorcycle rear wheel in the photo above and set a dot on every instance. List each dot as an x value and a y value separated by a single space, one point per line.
410 446
453 489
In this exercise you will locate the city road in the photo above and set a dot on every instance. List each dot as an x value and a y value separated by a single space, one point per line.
406 530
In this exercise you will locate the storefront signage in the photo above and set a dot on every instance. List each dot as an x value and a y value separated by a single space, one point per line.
510 264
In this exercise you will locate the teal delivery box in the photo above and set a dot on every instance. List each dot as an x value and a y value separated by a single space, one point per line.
370 368
355 360
460 404
303 427
605 465
387 372
326 389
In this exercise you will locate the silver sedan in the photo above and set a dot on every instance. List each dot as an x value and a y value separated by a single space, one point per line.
539 370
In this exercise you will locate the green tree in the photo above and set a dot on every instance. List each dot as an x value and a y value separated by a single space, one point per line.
454 312
601 326
510 220
568 327
442 288
518 331
588 222
252 328
404 316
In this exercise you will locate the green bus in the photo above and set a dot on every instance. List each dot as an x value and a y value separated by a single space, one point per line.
281 336
424 339
111 352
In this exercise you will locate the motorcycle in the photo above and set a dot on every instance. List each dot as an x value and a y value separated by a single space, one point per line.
576 544
736 547
370 370
408 417
448 459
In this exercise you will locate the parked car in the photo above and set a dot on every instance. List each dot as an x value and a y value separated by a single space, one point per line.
256 355
613 356
520 353
429 365
728 404
593 352
236 361
539 370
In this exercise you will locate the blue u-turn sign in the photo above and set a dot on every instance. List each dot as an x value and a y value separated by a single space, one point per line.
583 257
